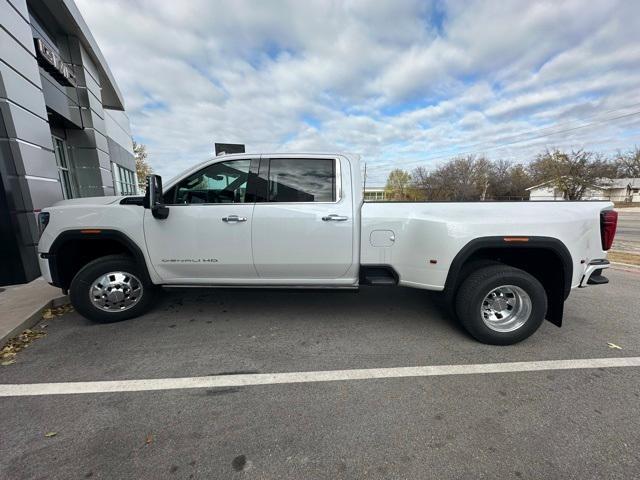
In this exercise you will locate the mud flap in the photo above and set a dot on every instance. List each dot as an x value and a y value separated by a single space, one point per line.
555 308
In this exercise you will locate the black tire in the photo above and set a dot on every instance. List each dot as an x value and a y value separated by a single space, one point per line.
79 292
484 280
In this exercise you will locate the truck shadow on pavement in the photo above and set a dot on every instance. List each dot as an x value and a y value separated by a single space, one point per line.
373 306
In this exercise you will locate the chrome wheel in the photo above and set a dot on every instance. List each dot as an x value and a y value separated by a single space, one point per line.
116 291
506 308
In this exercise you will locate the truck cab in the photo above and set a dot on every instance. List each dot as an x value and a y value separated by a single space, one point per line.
281 219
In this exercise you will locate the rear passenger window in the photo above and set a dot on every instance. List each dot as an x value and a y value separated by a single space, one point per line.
302 180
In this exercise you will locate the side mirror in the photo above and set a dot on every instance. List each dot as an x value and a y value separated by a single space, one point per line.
153 198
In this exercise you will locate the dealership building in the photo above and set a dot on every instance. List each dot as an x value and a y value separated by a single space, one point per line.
64 132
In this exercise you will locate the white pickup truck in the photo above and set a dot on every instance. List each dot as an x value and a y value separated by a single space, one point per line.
299 220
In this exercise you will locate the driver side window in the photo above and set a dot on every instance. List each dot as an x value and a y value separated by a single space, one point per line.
224 182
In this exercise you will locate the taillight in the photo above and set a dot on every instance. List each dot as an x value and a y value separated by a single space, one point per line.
608 224
43 221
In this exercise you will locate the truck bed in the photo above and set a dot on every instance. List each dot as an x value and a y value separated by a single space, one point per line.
391 231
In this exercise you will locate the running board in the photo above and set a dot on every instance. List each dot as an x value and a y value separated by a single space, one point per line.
269 287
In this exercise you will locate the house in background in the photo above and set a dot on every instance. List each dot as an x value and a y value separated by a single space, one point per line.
374 194
622 190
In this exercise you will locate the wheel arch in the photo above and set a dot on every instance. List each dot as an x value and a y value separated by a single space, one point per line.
73 249
546 258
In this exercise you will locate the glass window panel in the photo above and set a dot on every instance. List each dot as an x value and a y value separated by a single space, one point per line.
302 180
224 182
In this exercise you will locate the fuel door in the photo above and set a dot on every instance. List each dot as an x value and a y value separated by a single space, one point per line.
382 238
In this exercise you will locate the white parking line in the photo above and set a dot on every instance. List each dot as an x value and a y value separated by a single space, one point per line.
242 380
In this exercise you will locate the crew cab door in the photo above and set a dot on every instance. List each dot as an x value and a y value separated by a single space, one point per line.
303 221
207 236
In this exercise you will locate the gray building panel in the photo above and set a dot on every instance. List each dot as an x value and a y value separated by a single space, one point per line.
121 155
28 223
16 25
89 82
33 160
107 177
70 93
22 92
104 162
87 138
17 57
24 125
60 103
7 167
89 66
94 103
42 191
20 6
16 200
61 88
91 120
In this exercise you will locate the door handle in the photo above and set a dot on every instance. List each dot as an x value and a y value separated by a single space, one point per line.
335 218
234 219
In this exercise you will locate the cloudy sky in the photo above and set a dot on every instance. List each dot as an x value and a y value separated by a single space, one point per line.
403 83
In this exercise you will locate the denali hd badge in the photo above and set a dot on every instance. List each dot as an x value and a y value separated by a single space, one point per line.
189 260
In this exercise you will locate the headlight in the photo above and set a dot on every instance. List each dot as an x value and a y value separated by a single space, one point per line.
43 221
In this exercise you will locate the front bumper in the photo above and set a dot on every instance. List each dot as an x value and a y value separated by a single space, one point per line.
593 273
43 261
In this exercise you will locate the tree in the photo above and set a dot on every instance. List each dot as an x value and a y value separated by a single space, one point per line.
460 179
628 164
398 184
572 173
142 167
509 181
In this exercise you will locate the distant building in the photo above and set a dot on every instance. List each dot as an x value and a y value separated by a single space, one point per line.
63 129
374 194
622 190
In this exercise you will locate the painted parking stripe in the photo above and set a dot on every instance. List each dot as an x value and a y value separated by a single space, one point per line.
242 380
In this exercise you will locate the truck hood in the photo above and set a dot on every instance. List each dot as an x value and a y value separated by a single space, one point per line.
88 201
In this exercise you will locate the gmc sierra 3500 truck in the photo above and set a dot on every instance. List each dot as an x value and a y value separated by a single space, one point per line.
299 220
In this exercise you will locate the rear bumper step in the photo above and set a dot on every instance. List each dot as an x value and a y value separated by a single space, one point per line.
597 278
593 273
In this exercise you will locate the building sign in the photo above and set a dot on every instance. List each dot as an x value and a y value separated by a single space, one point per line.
52 63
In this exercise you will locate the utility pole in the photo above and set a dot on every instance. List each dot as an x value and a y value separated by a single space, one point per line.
364 182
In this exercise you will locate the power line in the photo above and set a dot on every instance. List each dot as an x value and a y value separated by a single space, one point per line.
606 112
543 135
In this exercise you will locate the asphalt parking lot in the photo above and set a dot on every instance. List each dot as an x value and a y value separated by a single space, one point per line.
568 423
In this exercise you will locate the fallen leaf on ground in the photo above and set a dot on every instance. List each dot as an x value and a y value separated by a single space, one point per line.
22 341
614 346
50 313
50 434
149 439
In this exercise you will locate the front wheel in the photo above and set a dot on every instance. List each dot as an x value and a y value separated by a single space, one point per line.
111 289
501 305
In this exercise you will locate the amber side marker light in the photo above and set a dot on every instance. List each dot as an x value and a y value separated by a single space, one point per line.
90 231
516 239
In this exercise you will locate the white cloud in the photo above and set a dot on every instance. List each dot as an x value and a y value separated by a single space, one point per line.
402 83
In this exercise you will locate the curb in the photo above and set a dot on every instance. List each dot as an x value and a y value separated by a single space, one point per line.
626 265
34 318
